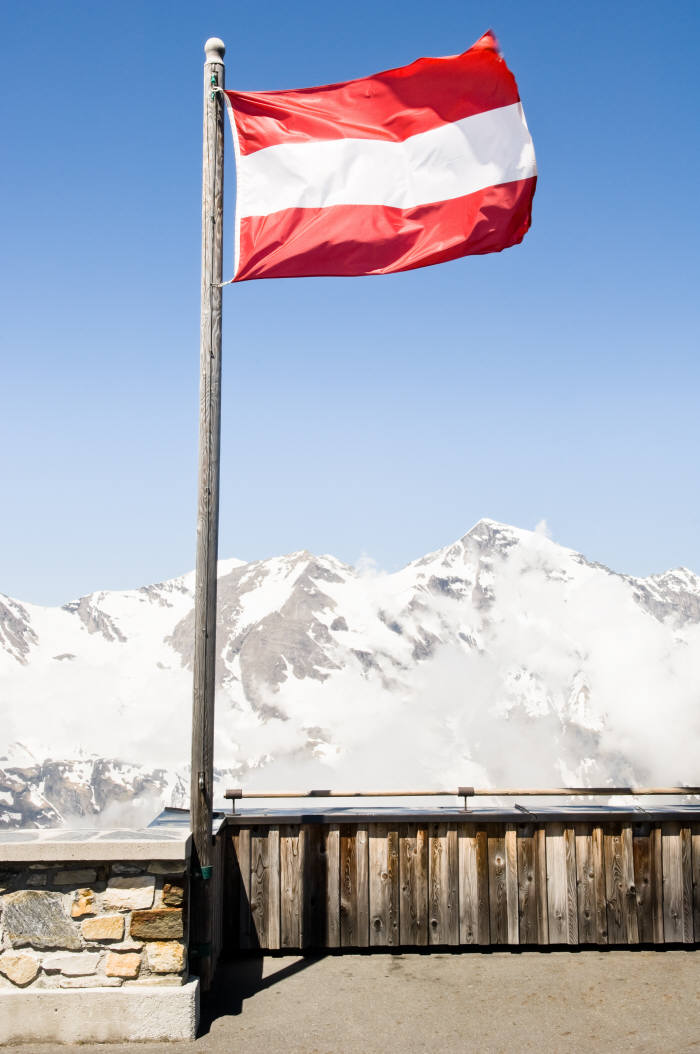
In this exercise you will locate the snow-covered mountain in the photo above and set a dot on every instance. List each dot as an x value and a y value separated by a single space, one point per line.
501 658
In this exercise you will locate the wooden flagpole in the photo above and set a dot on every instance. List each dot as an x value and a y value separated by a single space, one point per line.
202 773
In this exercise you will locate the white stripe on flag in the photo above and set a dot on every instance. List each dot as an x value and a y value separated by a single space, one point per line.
446 162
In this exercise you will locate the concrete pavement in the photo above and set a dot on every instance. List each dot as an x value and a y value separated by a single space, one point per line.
549 1003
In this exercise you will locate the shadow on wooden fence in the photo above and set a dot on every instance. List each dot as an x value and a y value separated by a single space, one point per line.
276 894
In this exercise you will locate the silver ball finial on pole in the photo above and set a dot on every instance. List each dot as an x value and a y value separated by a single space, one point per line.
215 49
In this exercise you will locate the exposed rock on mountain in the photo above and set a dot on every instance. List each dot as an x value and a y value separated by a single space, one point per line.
46 794
16 633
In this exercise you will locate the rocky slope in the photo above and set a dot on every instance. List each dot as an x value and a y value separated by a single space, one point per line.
502 657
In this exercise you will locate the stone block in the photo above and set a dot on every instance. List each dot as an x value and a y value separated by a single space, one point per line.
130 893
173 895
91 982
79 965
127 869
127 946
165 956
84 877
20 969
83 904
161 980
167 867
159 924
103 928
124 964
123 1014
33 917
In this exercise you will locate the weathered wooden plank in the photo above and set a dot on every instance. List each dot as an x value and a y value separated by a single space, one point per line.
541 893
512 905
273 902
232 893
473 885
687 869
628 887
641 852
413 885
677 882
291 904
383 885
601 906
362 865
468 896
438 881
673 882
585 885
498 902
557 882
332 845
615 891
657 883
221 848
571 901
443 884
527 899
354 892
482 868
348 887
314 886
695 864
393 886
453 879
378 882
259 886
245 926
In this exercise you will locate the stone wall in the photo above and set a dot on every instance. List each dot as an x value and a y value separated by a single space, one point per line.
93 925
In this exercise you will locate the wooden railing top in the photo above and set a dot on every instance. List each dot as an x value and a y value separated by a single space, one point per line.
460 792
237 793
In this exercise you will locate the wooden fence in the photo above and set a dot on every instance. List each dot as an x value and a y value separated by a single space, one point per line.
449 883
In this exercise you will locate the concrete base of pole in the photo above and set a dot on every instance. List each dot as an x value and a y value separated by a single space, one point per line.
100 1015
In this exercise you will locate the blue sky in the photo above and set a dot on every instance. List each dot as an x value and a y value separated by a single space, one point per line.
557 380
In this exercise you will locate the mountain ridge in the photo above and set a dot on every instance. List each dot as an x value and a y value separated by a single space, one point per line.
187 578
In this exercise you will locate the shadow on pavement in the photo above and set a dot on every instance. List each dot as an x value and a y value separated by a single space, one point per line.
239 979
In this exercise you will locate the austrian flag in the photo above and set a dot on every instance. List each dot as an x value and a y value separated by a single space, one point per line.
410 167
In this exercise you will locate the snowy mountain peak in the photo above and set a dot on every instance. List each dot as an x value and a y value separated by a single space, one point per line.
485 539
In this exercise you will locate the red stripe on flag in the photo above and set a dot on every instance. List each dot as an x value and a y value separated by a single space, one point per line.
377 239
392 105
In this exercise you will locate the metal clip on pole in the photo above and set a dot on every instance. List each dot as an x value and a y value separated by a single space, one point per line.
465 792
